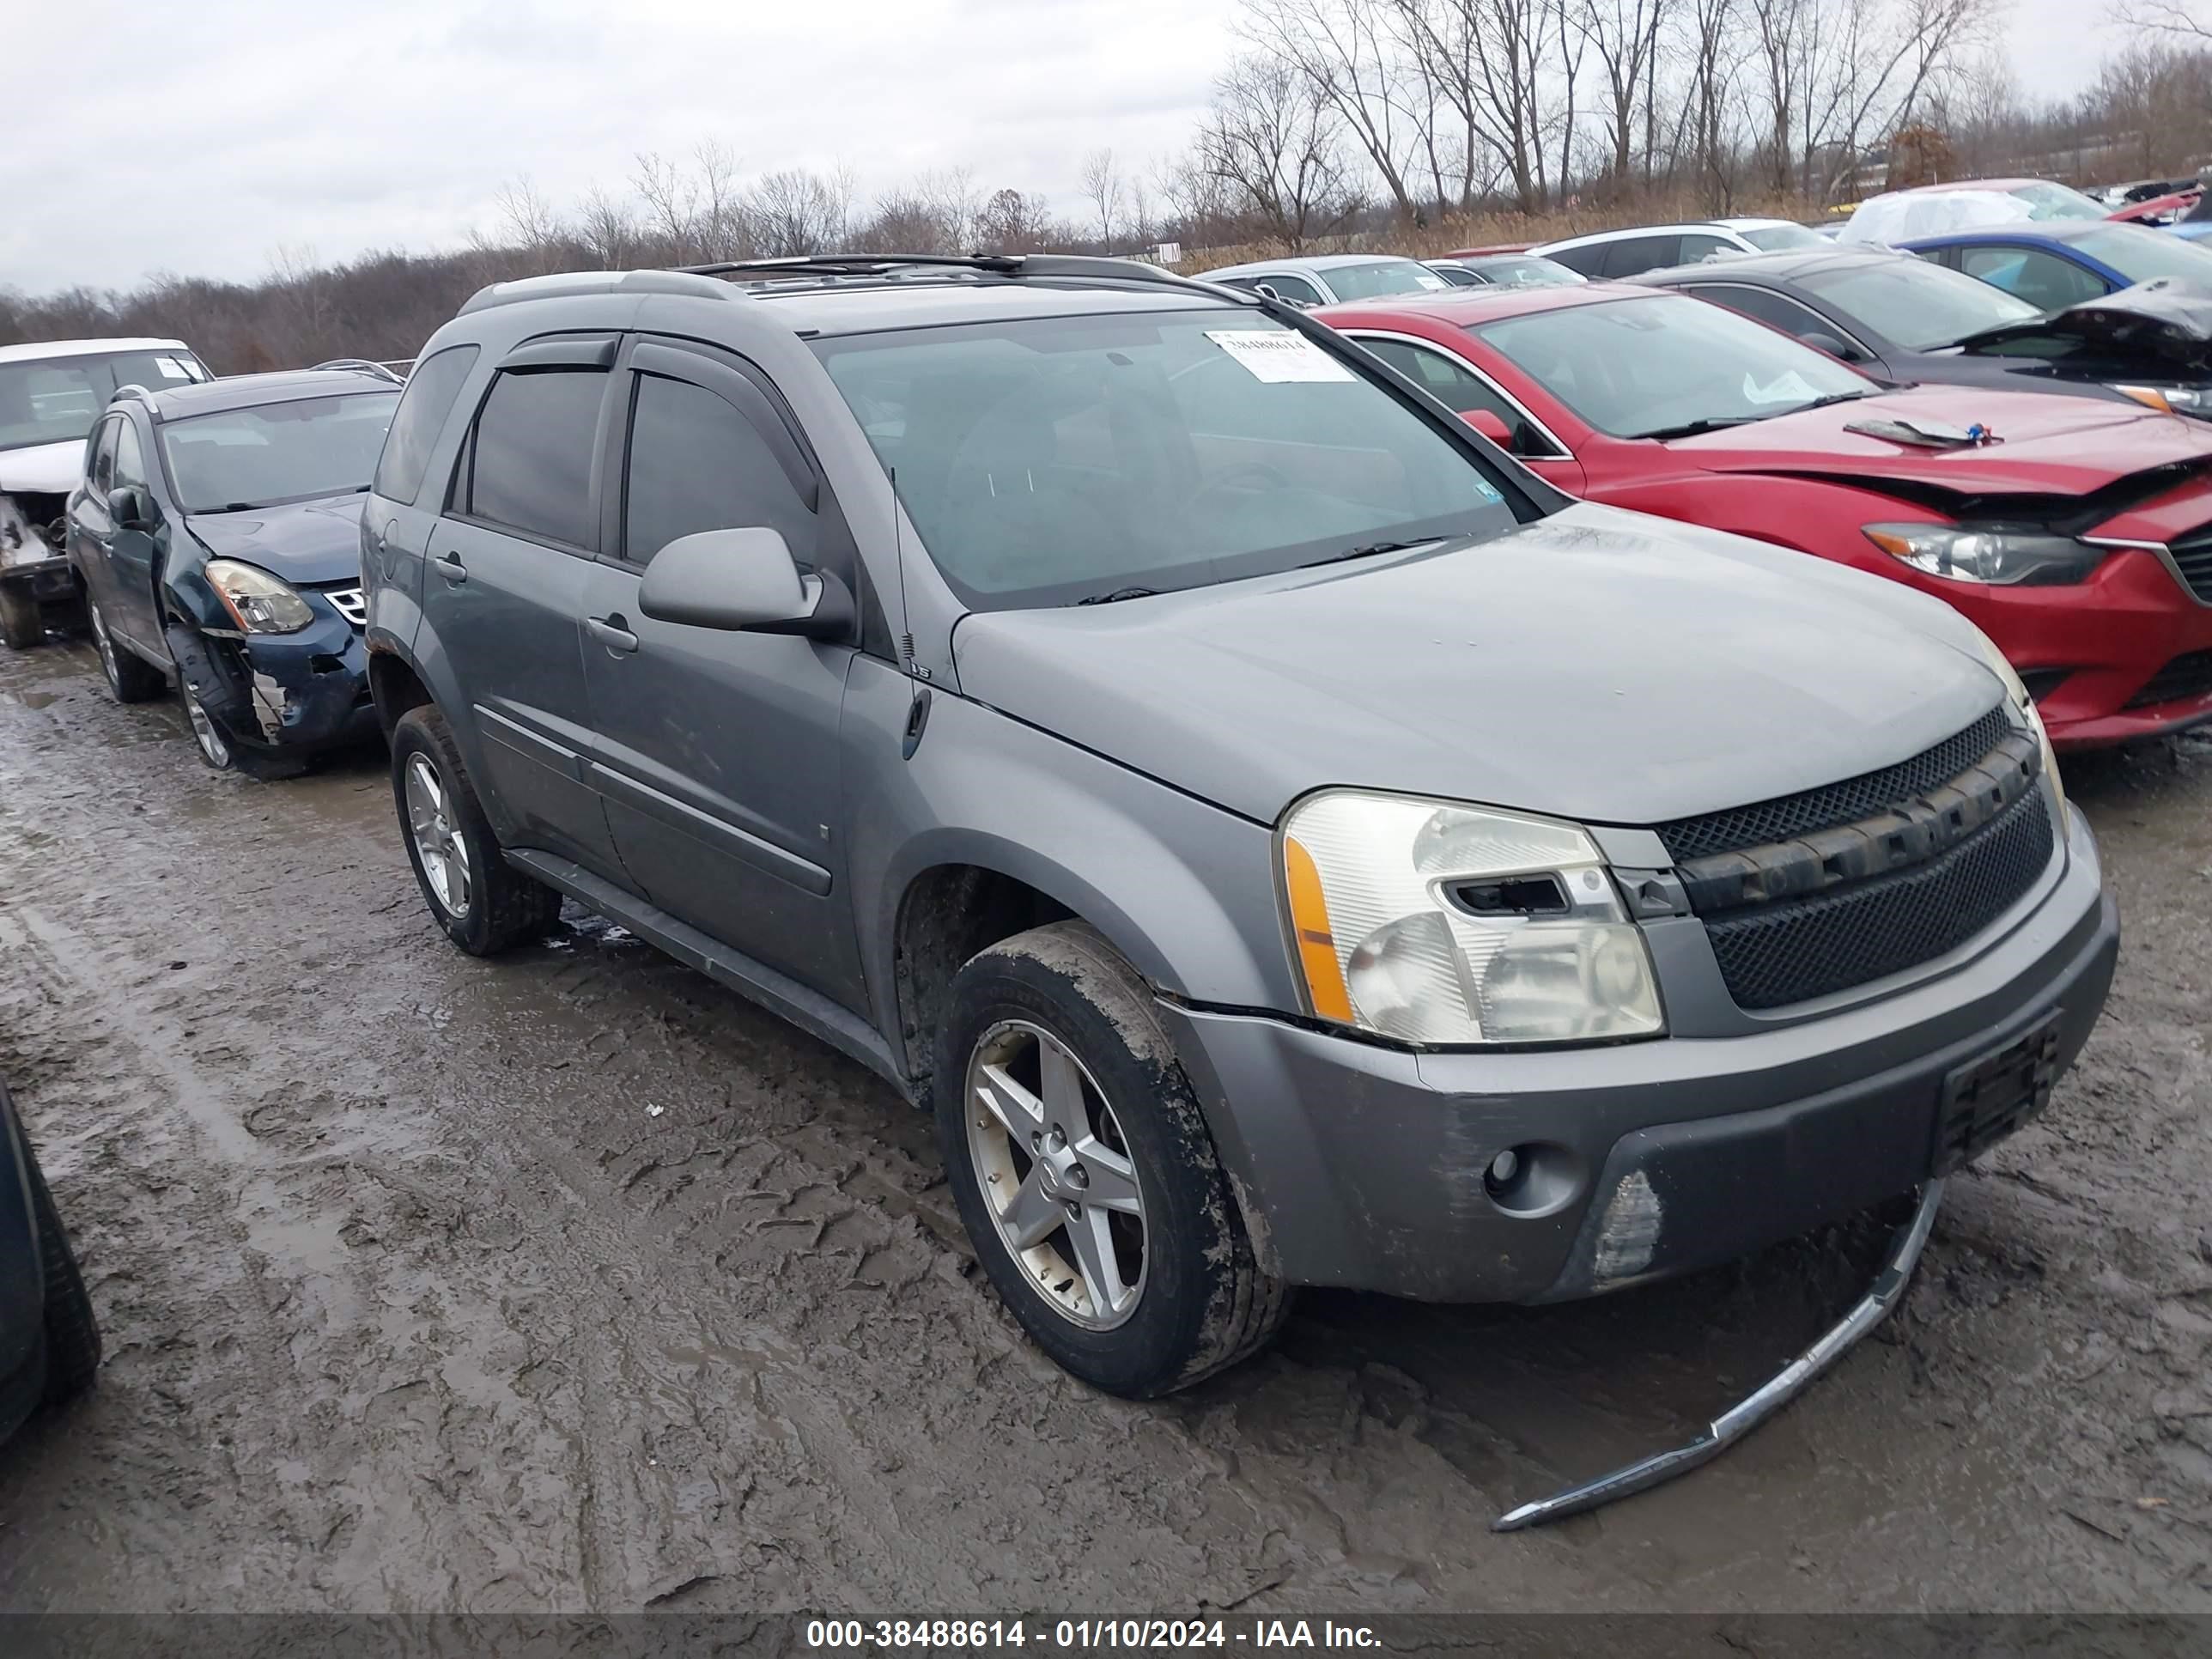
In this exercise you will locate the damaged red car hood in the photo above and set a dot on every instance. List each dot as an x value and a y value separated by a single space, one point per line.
2040 445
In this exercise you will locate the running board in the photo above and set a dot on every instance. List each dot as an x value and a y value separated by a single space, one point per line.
779 993
1738 1421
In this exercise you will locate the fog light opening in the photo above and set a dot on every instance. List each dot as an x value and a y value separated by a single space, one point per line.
1536 1178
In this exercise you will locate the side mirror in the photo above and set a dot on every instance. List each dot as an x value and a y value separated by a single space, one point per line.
742 580
131 507
1833 347
1490 424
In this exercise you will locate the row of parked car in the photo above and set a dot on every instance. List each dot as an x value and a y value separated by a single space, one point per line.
1494 794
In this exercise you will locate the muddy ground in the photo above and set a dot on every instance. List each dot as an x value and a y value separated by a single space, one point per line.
571 1281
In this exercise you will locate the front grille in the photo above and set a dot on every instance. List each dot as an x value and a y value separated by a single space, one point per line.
1777 954
2192 557
1837 803
2186 677
349 602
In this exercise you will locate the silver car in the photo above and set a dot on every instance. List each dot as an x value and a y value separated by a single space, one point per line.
1283 842
1324 279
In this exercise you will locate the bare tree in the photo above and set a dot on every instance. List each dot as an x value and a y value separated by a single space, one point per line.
1102 188
1625 35
1351 57
1273 138
1011 222
795 211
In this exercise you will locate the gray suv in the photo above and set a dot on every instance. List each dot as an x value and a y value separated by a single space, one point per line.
1282 840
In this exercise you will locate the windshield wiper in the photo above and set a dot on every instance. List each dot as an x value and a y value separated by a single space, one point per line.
1368 551
1710 423
1118 594
1833 397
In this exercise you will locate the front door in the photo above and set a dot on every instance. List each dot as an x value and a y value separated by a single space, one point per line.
717 751
504 592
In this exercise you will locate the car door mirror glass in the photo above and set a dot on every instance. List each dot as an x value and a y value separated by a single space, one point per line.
740 581
1834 347
131 508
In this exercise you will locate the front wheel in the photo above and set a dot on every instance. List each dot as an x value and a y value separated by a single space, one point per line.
483 903
1085 1173
221 753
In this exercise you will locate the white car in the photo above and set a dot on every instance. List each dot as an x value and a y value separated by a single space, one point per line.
1631 253
51 392
1326 278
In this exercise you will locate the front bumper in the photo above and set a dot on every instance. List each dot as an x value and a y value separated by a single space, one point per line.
1361 1165
302 692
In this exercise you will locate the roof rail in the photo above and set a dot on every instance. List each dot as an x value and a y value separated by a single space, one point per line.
358 366
1077 266
574 283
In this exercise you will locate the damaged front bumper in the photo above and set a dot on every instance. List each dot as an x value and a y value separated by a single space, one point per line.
1374 1168
302 692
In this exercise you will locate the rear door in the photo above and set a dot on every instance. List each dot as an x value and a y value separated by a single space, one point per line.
404 504
718 751
503 594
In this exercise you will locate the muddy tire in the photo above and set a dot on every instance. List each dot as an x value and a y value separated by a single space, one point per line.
485 904
1055 1081
72 1332
130 677
21 627
219 750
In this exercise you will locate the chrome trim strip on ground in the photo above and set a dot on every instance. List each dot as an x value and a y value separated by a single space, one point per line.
1740 1419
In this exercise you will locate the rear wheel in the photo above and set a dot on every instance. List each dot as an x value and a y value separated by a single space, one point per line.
130 677
21 625
1084 1172
485 904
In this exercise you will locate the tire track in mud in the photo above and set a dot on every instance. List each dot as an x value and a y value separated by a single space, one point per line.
571 1281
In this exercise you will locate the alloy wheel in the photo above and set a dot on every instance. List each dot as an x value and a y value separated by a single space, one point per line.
206 732
1054 1171
438 844
105 646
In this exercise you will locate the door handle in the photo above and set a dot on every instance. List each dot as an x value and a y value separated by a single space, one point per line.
612 632
449 566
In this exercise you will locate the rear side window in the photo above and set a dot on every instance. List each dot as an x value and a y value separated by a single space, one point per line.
1586 258
697 464
532 453
431 389
1632 256
1769 307
1296 289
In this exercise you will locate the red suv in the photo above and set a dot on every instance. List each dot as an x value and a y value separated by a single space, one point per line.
2076 532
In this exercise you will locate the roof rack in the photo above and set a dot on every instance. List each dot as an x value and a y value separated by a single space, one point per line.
1076 266
359 366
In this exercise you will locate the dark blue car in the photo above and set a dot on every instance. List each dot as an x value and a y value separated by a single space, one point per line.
216 537
49 1342
2061 263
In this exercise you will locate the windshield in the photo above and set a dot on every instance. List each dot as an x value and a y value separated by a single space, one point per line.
278 453
55 400
1526 272
1064 459
1377 277
2139 253
1773 238
1665 364
2048 201
1918 305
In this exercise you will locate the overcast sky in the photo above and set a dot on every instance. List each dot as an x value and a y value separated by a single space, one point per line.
204 138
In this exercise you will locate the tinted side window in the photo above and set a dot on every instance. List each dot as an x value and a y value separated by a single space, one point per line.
2043 280
1451 384
1770 308
1694 247
1296 289
697 464
431 389
100 465
1586 259
535 440
1633 255
130 458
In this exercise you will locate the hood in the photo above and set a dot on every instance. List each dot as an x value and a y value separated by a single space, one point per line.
2043 446
1598 665
308 541
43 468
2164 321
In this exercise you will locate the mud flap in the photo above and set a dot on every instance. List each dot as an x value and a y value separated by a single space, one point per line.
1740 1419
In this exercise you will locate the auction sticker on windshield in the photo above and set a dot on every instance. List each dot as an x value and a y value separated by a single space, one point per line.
1278 356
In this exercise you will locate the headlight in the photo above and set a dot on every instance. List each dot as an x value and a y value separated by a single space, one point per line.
259 602
1990 553
2016 694
2174 399
1440 924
